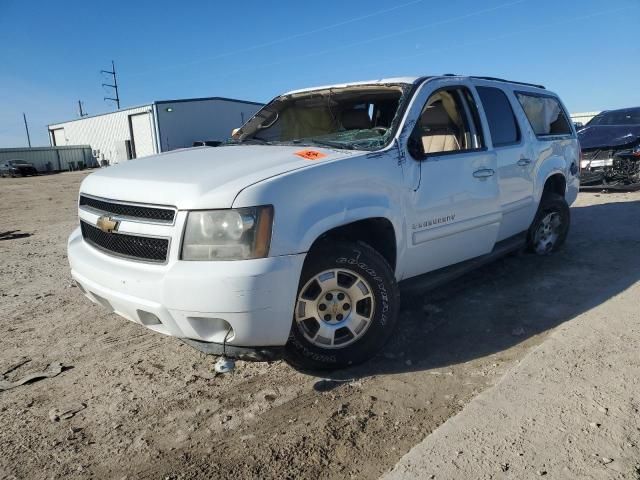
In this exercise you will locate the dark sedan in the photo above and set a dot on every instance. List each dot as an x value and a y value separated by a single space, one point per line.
611 149
13 168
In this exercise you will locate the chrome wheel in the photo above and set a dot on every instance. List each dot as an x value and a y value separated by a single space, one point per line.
335 308
547 233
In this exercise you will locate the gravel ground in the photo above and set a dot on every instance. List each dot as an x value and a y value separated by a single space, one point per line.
141 405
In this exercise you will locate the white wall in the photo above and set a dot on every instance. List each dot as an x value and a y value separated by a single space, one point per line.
583 117
105 133
195 120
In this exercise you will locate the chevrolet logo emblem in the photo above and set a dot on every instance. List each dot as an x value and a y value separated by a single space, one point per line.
107 224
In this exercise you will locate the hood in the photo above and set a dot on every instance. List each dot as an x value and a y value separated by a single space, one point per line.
601 136
198 178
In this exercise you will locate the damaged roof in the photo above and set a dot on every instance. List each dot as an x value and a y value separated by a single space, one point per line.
407 80
381 81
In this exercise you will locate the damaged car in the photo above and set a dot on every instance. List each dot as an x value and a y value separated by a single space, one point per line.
292 239
611 150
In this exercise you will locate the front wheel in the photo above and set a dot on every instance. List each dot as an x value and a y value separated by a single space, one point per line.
346 307
550 227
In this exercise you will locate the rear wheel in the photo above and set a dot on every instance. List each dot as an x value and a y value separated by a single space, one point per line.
346 307
550 227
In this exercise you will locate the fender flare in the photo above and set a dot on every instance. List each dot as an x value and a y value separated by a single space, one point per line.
551 166
337 219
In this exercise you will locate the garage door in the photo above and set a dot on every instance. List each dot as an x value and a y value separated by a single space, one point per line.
58 137
142 135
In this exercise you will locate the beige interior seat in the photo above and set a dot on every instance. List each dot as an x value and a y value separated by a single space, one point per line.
439 132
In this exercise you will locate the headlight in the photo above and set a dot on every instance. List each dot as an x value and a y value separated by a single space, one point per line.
236 234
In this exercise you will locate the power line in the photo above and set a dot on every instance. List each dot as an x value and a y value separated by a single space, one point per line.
432 50
515 33
112 72
344 46
282 39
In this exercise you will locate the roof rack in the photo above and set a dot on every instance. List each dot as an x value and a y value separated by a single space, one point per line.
494 79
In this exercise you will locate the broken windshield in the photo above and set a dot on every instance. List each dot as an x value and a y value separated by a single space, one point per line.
361 117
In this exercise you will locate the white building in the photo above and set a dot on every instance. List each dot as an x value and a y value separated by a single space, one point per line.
157 127
583 117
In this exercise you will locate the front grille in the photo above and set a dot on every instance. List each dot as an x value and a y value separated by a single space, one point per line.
129 210
123 245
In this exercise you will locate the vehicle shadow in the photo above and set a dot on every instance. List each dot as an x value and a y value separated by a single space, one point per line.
520 296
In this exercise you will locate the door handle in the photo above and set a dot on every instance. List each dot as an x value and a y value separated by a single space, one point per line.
484 173
523 162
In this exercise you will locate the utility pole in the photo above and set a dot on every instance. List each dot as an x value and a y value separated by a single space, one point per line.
82 113
26 127
112 72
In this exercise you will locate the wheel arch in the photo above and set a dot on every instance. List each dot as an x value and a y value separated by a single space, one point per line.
552 177
555 183
378 232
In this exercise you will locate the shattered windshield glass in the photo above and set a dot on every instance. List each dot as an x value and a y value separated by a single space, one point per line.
361 117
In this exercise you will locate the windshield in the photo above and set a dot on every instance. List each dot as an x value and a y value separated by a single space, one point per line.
618 117
361 117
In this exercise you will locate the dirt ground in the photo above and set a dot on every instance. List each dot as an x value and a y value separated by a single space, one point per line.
149 406
522 428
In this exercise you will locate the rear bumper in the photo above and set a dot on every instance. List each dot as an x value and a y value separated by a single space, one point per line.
194 300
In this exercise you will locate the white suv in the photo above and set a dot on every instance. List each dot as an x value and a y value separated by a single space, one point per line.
293 237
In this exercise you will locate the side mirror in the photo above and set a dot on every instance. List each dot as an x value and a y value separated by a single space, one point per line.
415 148
234 132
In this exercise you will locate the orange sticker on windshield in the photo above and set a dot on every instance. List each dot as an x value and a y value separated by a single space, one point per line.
310 154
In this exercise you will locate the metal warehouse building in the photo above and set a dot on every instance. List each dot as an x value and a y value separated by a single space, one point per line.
51 159
157 127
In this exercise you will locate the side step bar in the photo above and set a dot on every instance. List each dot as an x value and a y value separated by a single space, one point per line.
437 278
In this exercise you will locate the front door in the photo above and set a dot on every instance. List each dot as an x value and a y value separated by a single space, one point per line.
452 201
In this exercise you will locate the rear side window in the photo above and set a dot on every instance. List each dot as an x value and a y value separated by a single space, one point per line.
545 114
502 122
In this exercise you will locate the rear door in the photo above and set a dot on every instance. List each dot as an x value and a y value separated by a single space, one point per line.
451 204
515 159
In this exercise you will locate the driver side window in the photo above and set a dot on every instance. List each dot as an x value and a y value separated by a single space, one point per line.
448 123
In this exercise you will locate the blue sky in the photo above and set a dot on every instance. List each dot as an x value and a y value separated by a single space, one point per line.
51 53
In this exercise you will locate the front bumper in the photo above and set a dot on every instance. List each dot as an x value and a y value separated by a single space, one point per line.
194 300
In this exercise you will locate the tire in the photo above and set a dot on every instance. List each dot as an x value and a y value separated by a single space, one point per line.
334 275
550 226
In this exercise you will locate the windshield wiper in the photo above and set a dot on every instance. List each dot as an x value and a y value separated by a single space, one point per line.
258 140
329 143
